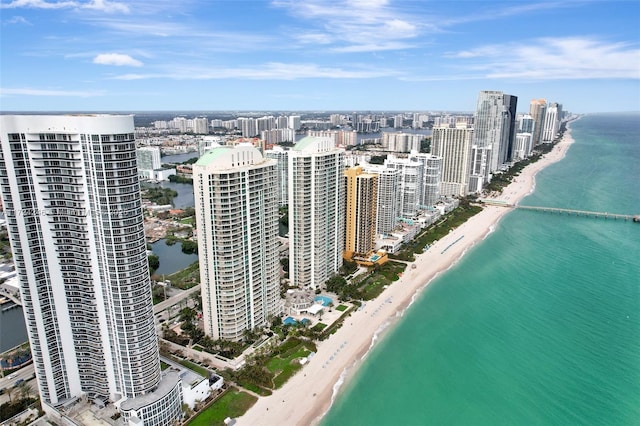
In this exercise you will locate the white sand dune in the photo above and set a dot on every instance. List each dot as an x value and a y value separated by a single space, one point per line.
305 398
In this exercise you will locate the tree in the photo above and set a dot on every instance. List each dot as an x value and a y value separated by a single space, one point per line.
154 262
189 247
24 389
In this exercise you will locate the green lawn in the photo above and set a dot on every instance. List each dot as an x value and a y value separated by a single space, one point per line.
164 365
283 366
188 220
195 367
232 404
386 274
341 308
319 326
186 278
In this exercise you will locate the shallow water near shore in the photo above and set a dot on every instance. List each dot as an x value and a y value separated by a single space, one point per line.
539 323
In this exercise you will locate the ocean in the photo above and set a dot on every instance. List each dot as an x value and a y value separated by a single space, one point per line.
539 323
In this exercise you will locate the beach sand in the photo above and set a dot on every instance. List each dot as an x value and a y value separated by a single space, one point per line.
308 395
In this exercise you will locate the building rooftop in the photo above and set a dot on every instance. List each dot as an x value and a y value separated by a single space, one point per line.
168 382
213 154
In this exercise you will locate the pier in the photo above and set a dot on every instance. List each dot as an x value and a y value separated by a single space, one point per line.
569 212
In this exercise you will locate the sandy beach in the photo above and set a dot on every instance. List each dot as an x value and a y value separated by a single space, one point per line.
307 396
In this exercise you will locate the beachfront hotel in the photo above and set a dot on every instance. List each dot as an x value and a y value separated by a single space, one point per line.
361 206
453 144
316 211
236 202
72 202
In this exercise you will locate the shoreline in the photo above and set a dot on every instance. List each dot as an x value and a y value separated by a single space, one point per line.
309 394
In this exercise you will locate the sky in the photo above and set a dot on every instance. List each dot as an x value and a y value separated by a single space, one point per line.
316 55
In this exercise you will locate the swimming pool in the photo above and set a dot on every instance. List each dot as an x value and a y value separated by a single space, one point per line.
289 321
324 299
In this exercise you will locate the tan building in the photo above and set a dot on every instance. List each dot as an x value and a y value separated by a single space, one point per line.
361 205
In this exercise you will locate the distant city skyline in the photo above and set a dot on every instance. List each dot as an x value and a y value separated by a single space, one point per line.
348 55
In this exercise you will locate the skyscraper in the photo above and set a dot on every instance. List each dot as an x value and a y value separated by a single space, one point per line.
236 193
538 110
453 144
388 199
282 157
361 206
493 135
431 175
411 173
551 122
72 202
316 211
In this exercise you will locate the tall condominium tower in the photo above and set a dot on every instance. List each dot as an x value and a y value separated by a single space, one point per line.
236 195
282 156
453 144
431 176
411 174
72 202
388 199
538 110
523 146
494 133
148 161
361 206
551 122
316 211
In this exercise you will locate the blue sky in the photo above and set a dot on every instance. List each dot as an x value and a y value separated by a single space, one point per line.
420 55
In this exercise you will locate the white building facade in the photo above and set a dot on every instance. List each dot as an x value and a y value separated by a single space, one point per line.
282 157
316 211
72 201
389 197
453 144
237 217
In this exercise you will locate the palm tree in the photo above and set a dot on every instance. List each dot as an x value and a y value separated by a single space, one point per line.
24 389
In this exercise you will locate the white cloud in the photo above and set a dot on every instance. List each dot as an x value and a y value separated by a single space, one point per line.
268 71
353 25
117 59
46 92
17 20
100 5
555 58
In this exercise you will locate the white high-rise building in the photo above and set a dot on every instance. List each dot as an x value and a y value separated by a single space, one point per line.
523 146
410 188
236 200
316 211
453 144
294 122
201 125
74 215
551 123
282 156
432 173
401 142
148 161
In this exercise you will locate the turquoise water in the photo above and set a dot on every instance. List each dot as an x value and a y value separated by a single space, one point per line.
324 299
539 324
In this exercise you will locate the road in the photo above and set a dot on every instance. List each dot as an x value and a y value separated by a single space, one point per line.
9 381
174 300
